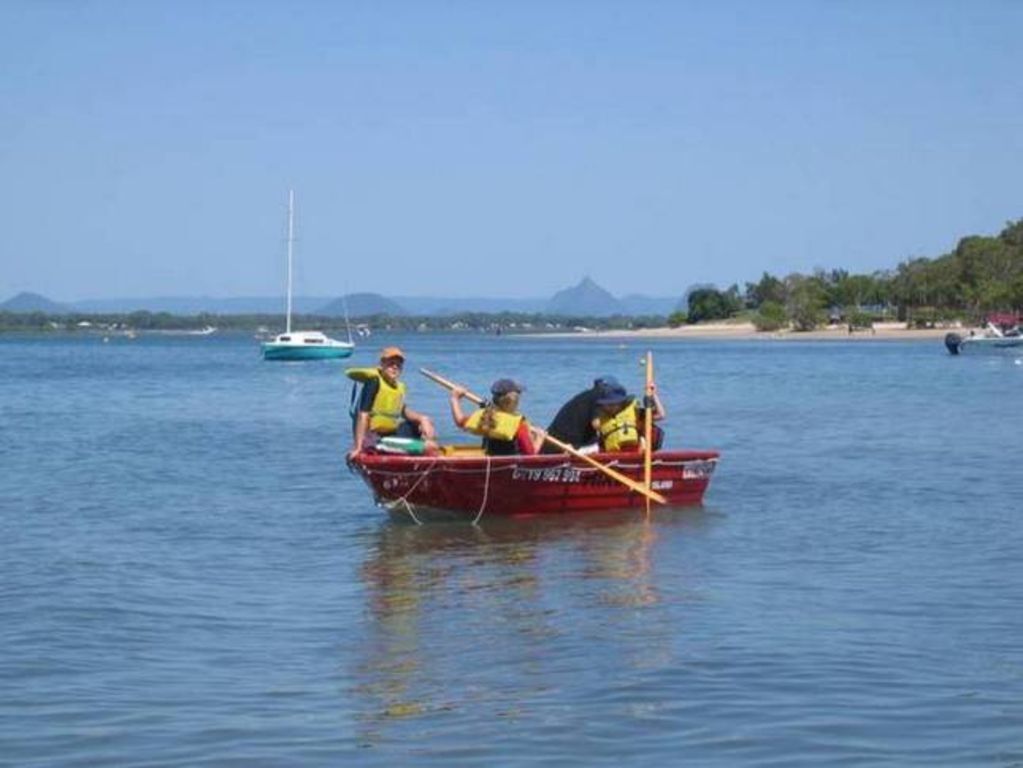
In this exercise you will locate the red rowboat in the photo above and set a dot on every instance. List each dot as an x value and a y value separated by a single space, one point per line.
478 486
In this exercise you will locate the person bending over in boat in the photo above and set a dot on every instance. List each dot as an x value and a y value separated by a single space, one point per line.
504 430
619 422
382 411
573 423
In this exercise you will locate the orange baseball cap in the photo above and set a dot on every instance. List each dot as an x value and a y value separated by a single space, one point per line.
388 352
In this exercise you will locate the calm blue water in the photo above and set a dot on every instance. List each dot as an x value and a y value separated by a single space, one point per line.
190 576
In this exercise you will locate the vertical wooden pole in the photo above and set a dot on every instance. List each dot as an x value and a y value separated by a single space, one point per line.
648 426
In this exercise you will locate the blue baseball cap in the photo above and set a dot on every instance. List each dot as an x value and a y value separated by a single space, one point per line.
611 395
605 381
504 386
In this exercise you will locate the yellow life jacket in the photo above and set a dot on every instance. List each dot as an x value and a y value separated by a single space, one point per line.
506 425
620 432
362 375
385 413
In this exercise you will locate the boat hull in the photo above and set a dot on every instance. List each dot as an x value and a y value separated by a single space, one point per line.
287 352
545 484
971 345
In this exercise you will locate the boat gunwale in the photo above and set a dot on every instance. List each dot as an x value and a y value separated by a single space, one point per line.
393 461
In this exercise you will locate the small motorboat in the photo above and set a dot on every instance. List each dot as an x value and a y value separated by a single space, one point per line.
462 482
1002 332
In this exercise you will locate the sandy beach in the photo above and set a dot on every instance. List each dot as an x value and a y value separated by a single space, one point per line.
746 332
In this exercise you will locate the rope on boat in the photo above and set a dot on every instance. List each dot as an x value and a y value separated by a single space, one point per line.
486 491
456 470
403 499
448 470
411 512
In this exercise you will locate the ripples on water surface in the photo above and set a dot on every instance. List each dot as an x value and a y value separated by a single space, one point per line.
190 576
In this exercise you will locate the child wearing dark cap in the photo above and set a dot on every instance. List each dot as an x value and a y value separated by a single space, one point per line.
573 424
504 430
620 421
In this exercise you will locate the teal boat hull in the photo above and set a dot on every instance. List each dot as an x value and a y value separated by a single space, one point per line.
274 352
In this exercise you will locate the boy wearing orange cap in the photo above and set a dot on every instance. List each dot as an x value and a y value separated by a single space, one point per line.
382 411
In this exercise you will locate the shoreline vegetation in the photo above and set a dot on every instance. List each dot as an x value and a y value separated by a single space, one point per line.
922 298
617 328
747 331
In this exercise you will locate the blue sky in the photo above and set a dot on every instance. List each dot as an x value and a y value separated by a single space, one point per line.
501 149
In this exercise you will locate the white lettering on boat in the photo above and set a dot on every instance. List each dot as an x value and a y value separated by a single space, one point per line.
548 475
697 470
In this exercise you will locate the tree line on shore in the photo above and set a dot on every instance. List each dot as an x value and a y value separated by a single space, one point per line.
982 274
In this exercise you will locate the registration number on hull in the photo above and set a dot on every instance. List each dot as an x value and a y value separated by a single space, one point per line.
548 475
573 475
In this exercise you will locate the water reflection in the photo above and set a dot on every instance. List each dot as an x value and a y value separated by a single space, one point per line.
459 614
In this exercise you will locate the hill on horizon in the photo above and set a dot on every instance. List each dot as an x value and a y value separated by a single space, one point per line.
361 305
33 302
587 298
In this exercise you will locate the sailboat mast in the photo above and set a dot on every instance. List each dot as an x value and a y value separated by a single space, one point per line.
291 239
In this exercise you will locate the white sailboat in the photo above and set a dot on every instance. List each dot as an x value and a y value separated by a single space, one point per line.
302 345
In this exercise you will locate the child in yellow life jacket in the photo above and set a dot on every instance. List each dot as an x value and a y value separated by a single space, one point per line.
504 430
382 411
619 423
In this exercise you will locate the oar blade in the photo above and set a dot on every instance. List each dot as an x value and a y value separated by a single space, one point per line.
639 488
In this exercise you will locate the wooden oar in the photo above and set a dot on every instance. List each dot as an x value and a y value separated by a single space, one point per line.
613 474
648 424
448 384
639 488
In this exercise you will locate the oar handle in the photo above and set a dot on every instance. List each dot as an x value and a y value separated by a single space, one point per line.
450 385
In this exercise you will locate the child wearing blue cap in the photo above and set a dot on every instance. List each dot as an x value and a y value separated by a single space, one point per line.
573 423
504 430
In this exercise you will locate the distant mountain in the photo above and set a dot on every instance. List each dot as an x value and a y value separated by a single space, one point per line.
362 305
33 302
585 299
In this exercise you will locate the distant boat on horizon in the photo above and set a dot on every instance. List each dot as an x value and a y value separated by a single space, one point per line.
207 330
303 345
